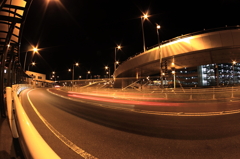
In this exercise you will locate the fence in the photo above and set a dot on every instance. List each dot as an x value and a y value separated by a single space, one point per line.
214 93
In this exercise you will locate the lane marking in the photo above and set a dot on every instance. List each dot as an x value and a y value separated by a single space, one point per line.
154 112
67 142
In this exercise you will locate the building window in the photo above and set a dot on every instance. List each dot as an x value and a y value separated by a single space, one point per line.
39 77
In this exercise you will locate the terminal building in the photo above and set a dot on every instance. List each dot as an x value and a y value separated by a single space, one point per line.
208 75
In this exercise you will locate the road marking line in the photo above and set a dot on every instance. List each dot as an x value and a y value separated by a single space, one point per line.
67 142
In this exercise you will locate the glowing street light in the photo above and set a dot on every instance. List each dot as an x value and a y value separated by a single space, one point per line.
115 61
88 73
174 74
108 68
34 50
33 64
144 17
233 63
160 54
76 64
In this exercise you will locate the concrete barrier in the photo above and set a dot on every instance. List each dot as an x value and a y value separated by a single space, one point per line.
33 145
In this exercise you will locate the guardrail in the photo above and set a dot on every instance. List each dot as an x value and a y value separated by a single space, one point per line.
156 93
32 143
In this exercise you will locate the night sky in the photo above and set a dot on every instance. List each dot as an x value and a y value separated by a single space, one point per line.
87 31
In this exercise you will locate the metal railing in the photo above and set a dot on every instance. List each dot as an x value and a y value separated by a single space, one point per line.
155 93
183 36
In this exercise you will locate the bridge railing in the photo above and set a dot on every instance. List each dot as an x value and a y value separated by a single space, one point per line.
155 93
32 143
184 36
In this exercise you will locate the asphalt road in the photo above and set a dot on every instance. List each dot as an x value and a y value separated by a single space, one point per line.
105 133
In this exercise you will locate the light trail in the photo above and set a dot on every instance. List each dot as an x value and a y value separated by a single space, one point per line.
121 101
120 95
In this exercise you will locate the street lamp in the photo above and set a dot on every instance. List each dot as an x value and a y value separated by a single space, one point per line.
233 63
108 68
88 73
76 64
160 54
174 74
145 16
115 61
34 50
33 64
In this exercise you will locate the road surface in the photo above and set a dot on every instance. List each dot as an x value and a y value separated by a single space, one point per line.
82 128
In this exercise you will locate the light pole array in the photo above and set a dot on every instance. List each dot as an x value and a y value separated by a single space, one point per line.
34 50
108 69
53 76
115 61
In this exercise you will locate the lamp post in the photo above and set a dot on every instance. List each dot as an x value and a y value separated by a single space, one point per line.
108 68
233 63
145 16
33 64
53 75
160 54
76 64
88 73
115 61
34 50
174 74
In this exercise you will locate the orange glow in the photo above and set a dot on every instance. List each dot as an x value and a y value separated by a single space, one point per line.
123 101
145 16
119 47
35 49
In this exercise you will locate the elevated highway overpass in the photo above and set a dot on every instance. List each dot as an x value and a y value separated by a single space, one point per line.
213 46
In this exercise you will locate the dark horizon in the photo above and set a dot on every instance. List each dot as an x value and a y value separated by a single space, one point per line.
88 32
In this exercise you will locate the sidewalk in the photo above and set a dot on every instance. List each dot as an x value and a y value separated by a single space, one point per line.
7 150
